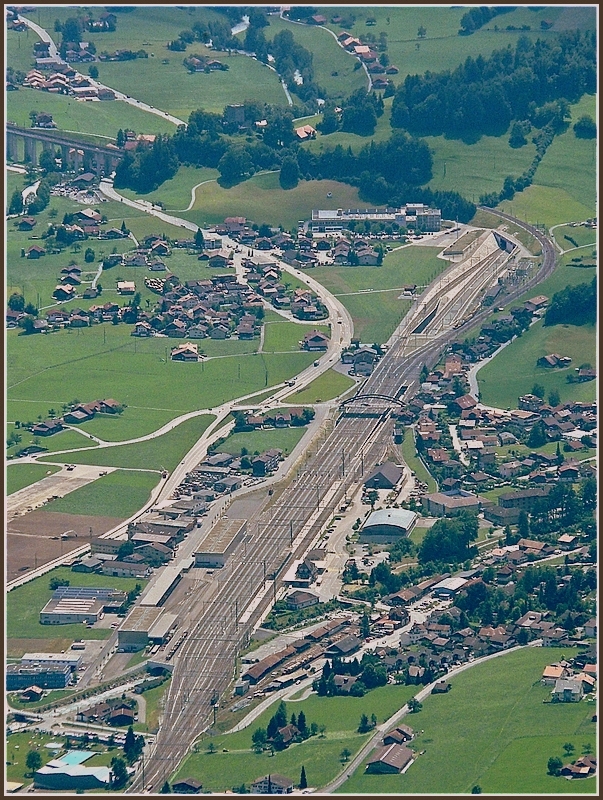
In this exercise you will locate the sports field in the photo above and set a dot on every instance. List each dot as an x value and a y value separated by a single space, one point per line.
492 730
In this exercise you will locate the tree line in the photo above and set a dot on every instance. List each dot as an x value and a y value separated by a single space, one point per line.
574 305
482 95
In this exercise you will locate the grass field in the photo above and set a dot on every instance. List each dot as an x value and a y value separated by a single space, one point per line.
584 237
64 440
110 363
284 439
513 372
492 730
175 193
327 386
18 746
162 452
333 67
172 88
570 163
320 757
409 454
99 119
23 606
118 494
154 699
261 199
283 336
18 476
547 206
377 313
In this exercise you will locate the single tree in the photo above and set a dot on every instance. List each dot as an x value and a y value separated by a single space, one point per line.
476 789
211 748
119 772
365 626
414 706
258 739
345 754
33 761
93 71
165 789
16 203
303 781
569 748
554 765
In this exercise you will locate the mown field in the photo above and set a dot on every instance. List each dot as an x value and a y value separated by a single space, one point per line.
513 372
100 119
284 336
256 442
563 188
23 605
158 453
327 386
64 440
18 476
491 730
175 194
118 494
584 237
371 294
261 199
320 756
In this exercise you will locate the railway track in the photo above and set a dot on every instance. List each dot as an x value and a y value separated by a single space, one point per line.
205 664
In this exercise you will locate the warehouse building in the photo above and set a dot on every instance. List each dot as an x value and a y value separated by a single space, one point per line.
144 625
388 525
46 676
413 215
87 604
220 542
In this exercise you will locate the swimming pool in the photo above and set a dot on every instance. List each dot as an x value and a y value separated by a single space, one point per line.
74 757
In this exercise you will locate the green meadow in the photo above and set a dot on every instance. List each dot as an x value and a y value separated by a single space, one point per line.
320 756
284 439
175 193
118 494
583 236
284 336
18 476
328 386
261 199
371 294
513 372
493 730
161 452
64 440
23 605
100 119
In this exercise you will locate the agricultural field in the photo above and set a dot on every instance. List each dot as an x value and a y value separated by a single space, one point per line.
584 237
494 729
23 606
513 372
18 476
261 199
99 119
120 494
320 756
328 386
158 453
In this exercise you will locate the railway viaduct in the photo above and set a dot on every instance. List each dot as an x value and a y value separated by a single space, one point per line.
76 154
